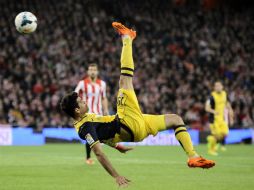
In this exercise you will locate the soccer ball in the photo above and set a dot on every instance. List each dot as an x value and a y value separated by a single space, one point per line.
26 22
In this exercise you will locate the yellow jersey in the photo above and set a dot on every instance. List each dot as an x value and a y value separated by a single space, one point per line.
128 125
218 102
95 128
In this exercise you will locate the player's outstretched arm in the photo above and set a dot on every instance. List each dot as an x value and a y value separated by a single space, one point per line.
209 109
231 113
123 149
120 180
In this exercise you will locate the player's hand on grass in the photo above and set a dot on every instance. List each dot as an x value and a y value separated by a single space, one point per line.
122 181
126 149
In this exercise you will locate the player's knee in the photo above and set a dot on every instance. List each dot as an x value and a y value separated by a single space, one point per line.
121 82
218 137
125 82
178 120
173 120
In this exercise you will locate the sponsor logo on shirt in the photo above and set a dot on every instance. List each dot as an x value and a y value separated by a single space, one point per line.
89 139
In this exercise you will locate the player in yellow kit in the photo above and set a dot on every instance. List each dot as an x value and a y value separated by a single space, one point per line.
129 124
218 106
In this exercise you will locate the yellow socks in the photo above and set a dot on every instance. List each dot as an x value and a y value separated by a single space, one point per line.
211 143
127 64
184 139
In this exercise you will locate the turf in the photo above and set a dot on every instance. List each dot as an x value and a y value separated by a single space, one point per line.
61 166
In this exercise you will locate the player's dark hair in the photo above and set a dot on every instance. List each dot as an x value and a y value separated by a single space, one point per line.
69 103
93 65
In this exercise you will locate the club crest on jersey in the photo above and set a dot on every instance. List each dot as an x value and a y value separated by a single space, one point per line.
89 139
120 94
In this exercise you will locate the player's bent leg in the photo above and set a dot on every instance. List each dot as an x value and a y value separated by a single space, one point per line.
223 143
173 121
157 123
219 138
176 122
214 139
224 133
211 145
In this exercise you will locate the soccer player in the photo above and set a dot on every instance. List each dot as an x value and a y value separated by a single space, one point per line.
93 91
219 108
129 124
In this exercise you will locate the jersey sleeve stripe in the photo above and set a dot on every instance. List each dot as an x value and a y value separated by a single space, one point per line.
96 142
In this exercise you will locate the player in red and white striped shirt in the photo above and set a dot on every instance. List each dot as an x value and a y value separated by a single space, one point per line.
93 90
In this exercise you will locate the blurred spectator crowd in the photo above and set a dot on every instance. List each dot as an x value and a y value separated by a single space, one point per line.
179 52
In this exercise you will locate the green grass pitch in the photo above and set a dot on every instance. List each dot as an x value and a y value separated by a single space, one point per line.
61 166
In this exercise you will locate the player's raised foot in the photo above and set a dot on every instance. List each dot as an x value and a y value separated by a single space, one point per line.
123 30
200 162
213 153
89 161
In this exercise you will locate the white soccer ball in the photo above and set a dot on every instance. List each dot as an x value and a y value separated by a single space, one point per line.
26 22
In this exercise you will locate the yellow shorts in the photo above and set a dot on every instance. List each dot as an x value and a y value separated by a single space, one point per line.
219 128
140 124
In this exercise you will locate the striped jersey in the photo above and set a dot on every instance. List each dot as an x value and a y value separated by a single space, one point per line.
92 92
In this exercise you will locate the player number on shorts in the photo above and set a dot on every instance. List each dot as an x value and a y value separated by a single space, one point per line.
120 101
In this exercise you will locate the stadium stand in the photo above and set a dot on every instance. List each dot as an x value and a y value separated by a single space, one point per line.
179 52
